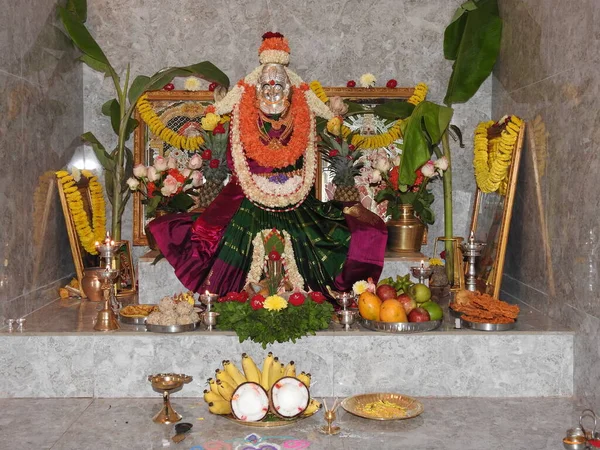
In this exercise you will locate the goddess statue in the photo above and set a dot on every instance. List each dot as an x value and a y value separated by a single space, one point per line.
273 159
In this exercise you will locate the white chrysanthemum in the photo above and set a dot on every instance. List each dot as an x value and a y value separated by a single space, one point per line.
359 287
367 80
192 84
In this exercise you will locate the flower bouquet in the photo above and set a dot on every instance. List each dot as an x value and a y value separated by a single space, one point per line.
165 187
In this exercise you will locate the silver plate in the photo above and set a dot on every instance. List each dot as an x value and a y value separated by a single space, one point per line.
400 327
487 326
171 328
133 320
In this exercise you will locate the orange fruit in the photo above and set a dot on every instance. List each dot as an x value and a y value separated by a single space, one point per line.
392 311
369 305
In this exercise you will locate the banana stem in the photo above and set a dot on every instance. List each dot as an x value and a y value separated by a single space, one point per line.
448 227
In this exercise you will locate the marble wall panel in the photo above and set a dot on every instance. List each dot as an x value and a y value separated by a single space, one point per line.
548 74
333 42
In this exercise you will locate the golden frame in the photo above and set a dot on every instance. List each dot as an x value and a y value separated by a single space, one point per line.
124 262
491 283
141 157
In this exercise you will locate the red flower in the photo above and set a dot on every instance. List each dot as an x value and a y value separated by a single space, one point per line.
214 163
333 153
231 296
419 178
219 129
351 148
392 83
394 176
151 187
169 87
443 255
207 154
274 255
257 302
270 34
177 175
242 297
297 299
316 297
212 86
351 83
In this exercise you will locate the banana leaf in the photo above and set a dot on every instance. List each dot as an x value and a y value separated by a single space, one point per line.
416 148
472 41
103 157
78 8
394 110
82 37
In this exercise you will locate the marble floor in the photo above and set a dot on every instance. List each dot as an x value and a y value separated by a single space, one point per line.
457 423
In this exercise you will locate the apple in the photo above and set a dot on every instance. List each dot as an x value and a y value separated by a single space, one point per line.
408 303
420 292
418 315
385 292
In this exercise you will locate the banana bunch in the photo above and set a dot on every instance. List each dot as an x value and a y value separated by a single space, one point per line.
226 380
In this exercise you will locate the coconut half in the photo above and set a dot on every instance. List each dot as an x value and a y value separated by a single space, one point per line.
249 402
289 397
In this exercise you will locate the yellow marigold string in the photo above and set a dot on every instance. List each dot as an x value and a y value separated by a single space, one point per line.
316 87
492 157
158 128
419 94
88 233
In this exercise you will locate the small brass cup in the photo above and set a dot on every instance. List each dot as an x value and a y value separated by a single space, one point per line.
168 383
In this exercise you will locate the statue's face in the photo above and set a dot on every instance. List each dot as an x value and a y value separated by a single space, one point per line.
273 89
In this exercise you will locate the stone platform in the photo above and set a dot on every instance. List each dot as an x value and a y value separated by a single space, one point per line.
59 355
158 280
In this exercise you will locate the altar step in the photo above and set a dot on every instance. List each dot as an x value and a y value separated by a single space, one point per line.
156 281
59 355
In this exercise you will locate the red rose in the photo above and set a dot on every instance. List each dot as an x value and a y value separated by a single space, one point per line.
351 83
177 175
242 297
257 302
212 86
392 83
333 153
274 255
219 129
207 154
214 163
351 148
222 299
297 299
169 87
316 297
231 296
394 176
151 187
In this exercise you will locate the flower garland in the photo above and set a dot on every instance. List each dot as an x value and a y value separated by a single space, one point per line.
158 128
274 154
259 259
316 87
492 158
419 94
88 234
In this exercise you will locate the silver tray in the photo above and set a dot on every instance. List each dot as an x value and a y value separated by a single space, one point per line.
487 326
400 327
171 328
133 320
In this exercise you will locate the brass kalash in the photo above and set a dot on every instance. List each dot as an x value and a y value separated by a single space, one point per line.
168 383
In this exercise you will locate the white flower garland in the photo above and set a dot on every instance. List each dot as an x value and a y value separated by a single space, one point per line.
317 107
290 186
274 57
259 260
226 104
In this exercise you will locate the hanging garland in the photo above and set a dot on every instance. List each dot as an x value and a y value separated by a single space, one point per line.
158 128
316 87
88 233
419 94
492 157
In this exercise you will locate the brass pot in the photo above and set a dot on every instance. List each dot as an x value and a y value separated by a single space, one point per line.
90 283
405 235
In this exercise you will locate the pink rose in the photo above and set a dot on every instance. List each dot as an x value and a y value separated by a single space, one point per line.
195 162
428 169
152 174
197 179
160 164
172 163
170 186
442 163
139 171
186 172
133 184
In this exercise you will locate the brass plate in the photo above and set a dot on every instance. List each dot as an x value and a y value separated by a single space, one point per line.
400 327
354 405
277 422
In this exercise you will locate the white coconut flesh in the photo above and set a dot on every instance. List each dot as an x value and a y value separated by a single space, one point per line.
250 402
289 397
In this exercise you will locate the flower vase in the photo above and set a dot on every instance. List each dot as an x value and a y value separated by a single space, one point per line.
208 192
149 237
405 235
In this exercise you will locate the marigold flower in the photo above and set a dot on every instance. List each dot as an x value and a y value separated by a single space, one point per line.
210 121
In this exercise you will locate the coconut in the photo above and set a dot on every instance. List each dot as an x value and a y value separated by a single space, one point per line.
289 397
249 402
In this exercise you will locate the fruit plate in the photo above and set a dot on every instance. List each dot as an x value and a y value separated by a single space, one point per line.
357 405
137 320
400 327
171 328
487 326
271 421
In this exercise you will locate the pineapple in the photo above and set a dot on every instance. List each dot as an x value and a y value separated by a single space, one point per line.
342 163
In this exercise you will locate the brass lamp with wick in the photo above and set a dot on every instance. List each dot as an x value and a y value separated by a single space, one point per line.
106 320
330 416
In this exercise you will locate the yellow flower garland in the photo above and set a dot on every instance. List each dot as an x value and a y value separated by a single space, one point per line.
88 234
492 157
158 128
316 87
419 94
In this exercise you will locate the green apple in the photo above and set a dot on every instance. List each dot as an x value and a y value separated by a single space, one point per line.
419 292
434 310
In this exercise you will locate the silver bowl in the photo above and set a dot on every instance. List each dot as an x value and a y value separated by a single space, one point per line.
347 317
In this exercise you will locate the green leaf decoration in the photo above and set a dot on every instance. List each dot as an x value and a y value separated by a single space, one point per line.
416 148
274 242
131 125
181 202
82 37
472 41
209 72
95 64
112 109
151 205
78 8
394 110
105 159
355 108
137 88
128 172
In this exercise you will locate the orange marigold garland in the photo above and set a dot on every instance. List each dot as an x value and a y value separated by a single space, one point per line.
274 154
